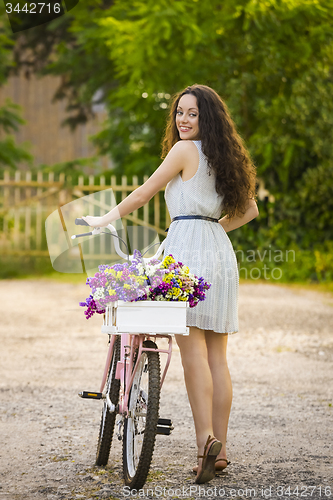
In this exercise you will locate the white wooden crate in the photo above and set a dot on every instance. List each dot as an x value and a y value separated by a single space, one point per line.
146 317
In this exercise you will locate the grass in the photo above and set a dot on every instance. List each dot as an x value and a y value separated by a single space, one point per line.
313 287
41 269
60 277
81 278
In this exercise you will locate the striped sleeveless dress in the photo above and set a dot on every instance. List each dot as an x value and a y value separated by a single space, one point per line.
204 247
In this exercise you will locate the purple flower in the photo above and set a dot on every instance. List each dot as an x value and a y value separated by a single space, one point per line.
91 307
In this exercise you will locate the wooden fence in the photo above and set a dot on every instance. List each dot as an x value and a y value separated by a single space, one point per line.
27 199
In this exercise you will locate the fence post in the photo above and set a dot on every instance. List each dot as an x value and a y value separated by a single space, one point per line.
6 178
17 212
27 232
39 214
6 202
63 195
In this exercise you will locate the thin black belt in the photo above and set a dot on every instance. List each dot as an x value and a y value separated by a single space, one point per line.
193 217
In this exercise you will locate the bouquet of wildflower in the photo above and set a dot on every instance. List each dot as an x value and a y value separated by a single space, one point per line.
165 280
177 283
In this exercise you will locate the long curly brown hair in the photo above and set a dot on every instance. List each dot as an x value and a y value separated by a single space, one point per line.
226 153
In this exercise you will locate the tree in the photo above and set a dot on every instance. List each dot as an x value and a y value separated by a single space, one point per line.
271 62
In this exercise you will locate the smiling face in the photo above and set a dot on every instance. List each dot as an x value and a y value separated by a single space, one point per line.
187 118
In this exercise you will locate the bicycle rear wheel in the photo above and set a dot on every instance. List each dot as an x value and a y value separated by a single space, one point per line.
141 424
108 419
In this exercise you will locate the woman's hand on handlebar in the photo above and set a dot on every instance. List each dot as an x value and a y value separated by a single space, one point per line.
95 221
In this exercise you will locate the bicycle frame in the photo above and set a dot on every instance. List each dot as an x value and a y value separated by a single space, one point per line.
131 380
125 371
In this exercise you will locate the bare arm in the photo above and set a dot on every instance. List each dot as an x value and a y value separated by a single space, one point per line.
169 168
251 213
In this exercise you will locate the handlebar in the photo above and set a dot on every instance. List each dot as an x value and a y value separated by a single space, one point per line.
113 232
81 222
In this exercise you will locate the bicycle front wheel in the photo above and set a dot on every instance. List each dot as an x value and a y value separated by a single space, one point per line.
141 424
108 419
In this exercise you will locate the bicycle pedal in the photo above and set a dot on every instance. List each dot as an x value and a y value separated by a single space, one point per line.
164 421
166 431
164 426
90 395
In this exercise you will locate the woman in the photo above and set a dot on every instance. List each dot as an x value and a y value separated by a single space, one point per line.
206 170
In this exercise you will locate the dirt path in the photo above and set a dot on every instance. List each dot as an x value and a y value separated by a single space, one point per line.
280 432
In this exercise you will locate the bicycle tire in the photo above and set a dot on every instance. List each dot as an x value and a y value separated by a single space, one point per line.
140 426
108 419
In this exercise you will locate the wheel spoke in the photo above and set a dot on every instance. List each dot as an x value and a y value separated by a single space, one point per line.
108 418
141 424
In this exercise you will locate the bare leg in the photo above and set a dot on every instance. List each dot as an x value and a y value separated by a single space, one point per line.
222 387
199 382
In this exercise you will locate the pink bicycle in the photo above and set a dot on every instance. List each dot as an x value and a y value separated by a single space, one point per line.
132 381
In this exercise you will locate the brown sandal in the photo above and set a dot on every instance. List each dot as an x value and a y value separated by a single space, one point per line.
221 467
218 468
211 450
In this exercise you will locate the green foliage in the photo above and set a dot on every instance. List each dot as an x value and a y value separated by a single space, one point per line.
9 116
10 153
6 44
324 262
271 61
19 266
271 262
304 214
315 202
72 169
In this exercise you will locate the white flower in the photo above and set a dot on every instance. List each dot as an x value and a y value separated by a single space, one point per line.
141 269
99 294
151 270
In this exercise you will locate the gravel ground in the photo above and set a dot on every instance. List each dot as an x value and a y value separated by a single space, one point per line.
280 432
